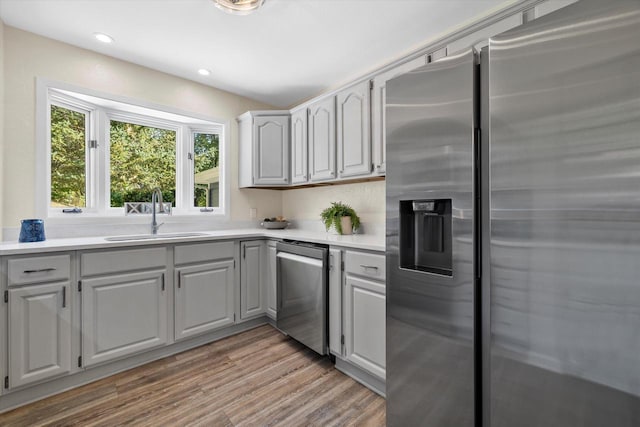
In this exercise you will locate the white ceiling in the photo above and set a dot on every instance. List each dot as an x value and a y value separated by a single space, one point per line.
288 51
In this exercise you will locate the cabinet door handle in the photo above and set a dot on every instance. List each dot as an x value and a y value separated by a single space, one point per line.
162 282
64 296
368 266
40 270
179 280
330 261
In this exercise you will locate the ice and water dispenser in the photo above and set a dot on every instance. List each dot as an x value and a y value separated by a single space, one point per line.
425 235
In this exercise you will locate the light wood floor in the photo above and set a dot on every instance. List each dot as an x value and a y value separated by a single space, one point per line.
256 378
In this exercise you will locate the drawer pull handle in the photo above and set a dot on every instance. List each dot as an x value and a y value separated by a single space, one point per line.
368 266
40 270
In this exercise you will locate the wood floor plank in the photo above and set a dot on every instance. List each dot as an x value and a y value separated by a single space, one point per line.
256 378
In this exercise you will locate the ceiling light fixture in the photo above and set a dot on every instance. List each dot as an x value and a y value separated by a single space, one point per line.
204 72
239 7
104 38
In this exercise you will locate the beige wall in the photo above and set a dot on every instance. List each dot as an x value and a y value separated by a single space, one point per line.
27 56
367 199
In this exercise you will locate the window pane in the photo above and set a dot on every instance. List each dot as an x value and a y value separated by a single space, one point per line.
68 147
206 172
142 158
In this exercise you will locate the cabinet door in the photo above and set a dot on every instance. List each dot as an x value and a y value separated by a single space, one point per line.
122 315
252 298
335 301
271 150
353 113
203 298
271 280
322 139
299 156
378 113
39 333
365 333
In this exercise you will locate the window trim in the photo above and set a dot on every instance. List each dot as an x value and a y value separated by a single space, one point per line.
190 123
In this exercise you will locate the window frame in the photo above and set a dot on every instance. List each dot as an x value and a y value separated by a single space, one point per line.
97 166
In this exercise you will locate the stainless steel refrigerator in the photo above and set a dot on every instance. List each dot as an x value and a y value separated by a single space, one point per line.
513 228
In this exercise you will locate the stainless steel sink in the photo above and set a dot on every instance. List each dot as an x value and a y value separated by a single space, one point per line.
152 236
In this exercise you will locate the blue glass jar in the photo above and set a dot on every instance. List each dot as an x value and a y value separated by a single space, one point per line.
32 230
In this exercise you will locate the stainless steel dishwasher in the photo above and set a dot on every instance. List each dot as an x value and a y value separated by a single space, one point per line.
302 292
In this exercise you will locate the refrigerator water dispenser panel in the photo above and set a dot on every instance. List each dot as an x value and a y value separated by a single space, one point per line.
425 236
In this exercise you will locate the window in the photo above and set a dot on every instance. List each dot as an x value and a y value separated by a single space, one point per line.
68 157
102 153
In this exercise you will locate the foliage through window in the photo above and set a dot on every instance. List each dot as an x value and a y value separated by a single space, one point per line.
142 158
68 147
104 153
206 190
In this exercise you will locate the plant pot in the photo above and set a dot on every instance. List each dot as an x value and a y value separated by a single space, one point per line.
345 223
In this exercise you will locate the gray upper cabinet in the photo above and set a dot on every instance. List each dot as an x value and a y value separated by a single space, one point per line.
252 277
353 121
264 149
39 332
378 115
299 147
322 139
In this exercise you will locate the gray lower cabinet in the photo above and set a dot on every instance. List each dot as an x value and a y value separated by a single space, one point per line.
39 332
203 298
335 301
271 280
365 334
252 276
123 314
365 311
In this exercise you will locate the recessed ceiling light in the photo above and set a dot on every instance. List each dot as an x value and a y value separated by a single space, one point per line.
104 38
204 72
239 7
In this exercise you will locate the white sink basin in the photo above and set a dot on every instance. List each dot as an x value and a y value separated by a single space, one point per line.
152 236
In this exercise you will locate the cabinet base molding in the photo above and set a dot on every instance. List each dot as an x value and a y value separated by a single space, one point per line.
14 398
363 377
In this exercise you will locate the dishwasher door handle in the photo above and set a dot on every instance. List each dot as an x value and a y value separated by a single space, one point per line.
299 258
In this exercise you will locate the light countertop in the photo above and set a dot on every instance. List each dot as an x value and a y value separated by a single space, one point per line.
356 241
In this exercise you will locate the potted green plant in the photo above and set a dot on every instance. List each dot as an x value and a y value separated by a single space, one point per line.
342 217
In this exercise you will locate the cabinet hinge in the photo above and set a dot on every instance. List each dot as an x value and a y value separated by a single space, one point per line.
370 84
6 381
190 156
342 339
93 143
6 296
79 361
79 285
342 265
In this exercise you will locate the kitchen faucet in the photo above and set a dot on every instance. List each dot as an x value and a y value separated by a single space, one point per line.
156 197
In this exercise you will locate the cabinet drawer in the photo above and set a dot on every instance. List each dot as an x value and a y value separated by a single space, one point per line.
94 263
22 271
367 265
201 252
